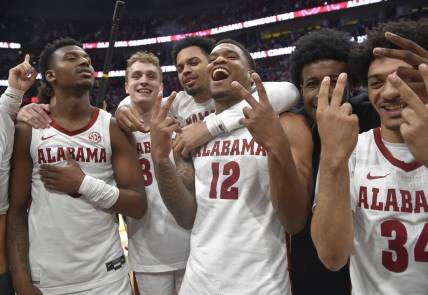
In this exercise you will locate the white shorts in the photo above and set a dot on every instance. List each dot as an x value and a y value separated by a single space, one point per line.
160 283
120 287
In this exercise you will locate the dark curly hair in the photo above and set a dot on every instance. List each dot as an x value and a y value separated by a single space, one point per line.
205 44
247 54
45 91
362 55
320 45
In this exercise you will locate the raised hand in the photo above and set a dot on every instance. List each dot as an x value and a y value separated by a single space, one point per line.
261 120
22 76
414 129
63 179
129 119
411 53
161 128
35 115
337 126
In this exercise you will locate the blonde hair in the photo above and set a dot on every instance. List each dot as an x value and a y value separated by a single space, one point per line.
144 57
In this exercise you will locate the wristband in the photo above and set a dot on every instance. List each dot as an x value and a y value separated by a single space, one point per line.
214 125
98 192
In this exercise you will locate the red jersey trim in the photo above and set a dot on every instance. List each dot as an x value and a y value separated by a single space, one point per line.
94 118
387 154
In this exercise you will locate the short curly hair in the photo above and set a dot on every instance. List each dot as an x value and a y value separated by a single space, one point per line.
362 55
45 91
205 44
320 45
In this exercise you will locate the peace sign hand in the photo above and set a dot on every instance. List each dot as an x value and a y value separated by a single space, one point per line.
409 52
414 128
162 128
337 126
260 119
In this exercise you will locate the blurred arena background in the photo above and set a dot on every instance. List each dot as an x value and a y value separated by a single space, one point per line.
267 27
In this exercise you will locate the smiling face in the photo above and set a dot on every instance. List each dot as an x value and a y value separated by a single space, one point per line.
70 68
192 71
143 83
312 76
384 97
227 63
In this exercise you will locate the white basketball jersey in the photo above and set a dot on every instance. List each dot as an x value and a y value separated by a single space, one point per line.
389 200
74 246
237 242
156 242
187 111
7 130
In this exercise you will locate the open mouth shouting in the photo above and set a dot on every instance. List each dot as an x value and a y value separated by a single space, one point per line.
220 74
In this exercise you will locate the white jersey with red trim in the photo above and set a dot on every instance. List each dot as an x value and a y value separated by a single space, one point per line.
237 242
74 246
156 242
389 202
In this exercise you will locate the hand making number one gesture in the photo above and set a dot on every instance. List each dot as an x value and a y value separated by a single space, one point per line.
337 126
22 76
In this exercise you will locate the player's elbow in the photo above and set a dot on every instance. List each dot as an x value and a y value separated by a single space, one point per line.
186 224
333 261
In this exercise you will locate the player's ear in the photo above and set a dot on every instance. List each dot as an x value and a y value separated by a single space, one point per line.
50 76
126 87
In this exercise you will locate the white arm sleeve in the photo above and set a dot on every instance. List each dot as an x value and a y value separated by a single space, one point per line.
281 95
11 100
125 102
7 130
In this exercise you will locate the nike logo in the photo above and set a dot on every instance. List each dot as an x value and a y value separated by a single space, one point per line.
371 177
47 137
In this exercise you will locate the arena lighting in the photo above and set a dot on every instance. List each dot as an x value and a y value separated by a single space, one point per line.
225 28
167 69
10 45
238 26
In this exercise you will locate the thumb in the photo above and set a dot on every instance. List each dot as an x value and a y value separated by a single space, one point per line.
70 160
27 58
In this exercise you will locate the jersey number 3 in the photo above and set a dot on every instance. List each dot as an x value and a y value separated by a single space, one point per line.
145 166
227 190
394 228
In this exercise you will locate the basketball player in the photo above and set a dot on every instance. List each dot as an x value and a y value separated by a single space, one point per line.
194 107
20 80
243 188
415 117
69 242
158 246
373 209
318 54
